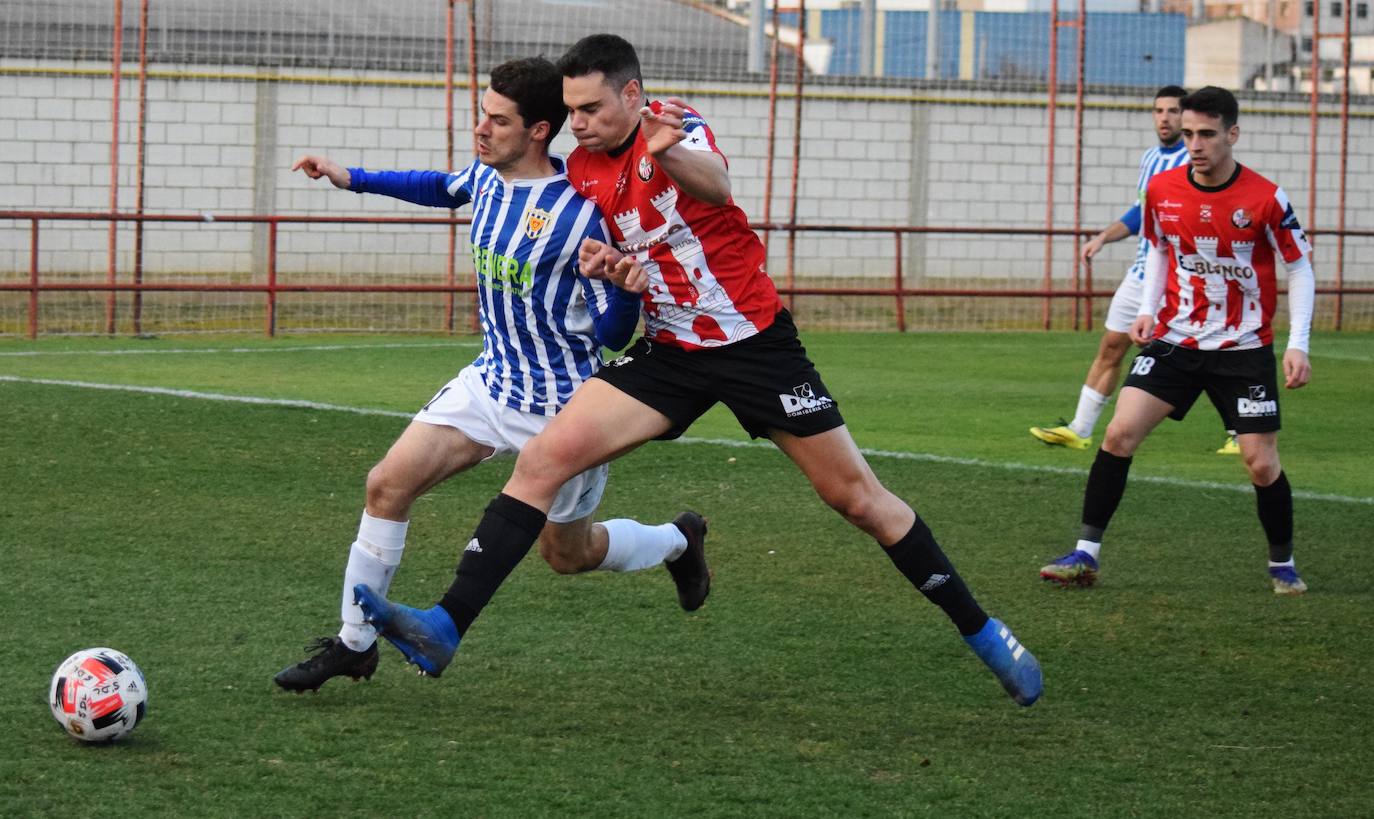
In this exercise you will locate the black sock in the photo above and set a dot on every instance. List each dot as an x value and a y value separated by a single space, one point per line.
1106 485
918 556
504 536
1275 505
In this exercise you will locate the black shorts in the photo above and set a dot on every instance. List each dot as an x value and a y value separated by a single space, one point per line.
766 380
1242 384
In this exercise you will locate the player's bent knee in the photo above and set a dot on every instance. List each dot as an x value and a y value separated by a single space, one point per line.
1120 442
388 493
543 463
1263 467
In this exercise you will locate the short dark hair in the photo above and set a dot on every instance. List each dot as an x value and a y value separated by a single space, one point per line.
1175 91
1217 102
613 56
536 87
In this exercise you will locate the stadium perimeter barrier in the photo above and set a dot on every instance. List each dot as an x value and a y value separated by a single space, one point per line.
1084 300
980 58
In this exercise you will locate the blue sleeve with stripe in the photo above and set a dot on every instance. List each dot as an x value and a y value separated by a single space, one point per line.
615 312
421 187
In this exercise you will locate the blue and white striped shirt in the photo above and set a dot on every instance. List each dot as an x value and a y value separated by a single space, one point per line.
1155 160
543 324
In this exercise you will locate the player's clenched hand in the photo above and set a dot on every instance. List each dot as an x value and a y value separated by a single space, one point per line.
1297 371
1092 247
596 259
662 123
1142 329
627 274
317 166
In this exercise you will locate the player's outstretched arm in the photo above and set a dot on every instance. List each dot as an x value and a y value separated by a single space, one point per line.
1114 232
318 166
700 174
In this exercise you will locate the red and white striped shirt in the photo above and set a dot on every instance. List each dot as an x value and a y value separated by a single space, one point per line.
1221 244
707 284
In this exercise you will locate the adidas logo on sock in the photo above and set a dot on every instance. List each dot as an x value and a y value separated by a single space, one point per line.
935 581
474 546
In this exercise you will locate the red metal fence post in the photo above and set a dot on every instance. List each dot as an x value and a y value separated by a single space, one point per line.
116 62
449 275
772 132
1312 116
141 153
1345 160
796 151
271 278
1078 157
897 284
474 323
33 279
1049 163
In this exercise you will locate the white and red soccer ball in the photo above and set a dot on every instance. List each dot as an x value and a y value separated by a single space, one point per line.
98 695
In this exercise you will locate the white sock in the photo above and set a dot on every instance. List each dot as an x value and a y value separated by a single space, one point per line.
1289 563
1090 405
634 546
372 560
1089 547
1090 408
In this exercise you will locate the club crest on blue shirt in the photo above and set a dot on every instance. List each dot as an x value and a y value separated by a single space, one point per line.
645 170
535 221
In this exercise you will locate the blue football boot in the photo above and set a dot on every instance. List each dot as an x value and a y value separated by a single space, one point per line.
1286 581
1016 668
1077 568
427 638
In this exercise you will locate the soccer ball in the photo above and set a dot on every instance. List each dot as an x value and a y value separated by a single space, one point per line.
98 695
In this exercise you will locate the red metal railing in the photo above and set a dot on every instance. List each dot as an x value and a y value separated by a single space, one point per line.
898 291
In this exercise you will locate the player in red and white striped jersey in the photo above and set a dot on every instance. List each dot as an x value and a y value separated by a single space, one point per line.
1216 230
717 333
1215 249
707 286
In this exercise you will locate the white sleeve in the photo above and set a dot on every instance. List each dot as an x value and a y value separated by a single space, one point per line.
1156 259
1302 292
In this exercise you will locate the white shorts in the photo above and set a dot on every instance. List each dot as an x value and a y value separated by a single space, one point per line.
1125 304
465 404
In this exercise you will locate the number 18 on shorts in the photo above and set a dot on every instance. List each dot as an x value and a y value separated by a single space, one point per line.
1241 384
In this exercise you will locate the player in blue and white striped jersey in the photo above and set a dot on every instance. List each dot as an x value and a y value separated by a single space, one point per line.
1105 371
543 327
542 324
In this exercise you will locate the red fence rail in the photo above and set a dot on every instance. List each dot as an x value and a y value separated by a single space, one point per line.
270 289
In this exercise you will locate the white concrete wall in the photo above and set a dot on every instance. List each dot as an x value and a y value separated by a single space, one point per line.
224 147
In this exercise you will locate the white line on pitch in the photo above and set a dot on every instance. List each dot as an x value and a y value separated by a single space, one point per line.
209 396
1011 466
1344 357
190 350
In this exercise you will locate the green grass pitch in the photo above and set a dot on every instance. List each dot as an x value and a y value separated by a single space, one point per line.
207 539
